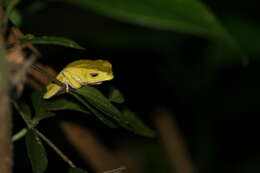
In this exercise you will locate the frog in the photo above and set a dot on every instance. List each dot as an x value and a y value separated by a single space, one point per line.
80 73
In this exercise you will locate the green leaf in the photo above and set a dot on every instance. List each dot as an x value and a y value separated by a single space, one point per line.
42 115
36 153
116 96
99 115
135 124
39 108
126 119
44 108
29 38
25 111
99 101
185 16
64 103
77 170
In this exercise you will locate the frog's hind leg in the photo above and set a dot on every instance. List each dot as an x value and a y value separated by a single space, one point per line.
67 79
53 89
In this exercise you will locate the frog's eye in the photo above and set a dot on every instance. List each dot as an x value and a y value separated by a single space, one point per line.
93 74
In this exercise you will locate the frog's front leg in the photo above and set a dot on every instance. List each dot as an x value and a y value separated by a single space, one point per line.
71 80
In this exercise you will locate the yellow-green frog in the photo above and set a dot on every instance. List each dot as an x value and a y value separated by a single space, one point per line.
80 73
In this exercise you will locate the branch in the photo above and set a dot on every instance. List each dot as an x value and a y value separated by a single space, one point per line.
56 149
5 110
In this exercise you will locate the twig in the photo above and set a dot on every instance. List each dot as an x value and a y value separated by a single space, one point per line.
50 77
5 110
19 134
56 149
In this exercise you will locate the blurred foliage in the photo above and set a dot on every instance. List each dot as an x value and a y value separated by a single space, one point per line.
184 16
29 38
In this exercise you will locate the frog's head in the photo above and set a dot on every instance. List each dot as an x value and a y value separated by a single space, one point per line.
100 71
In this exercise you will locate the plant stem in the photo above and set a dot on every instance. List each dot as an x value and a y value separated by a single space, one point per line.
5 108
19 134
56 149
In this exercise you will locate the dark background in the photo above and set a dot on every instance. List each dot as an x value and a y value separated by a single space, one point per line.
211 92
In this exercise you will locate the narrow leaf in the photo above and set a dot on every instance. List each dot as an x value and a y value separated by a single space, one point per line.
126 120
42 115
99 115
29 38
77 170
44 108
98 100
64 103
36 153
116 96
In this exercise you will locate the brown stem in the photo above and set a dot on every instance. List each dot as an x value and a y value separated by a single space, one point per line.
5 111
173 141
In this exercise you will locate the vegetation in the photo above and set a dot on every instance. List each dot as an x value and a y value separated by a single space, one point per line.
194 58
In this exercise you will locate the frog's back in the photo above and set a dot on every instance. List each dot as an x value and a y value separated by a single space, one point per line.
100 65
